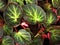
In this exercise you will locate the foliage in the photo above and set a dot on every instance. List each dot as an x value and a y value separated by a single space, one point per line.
50 17
2 4
22 37
34 14
55 32
21 2
12 14
58 11
37 41
30 1
23 22
7 29
7 40
56 3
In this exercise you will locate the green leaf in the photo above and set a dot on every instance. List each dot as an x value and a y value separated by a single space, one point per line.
7 40
34 14
50 18
20 2
22 37
12 15
37 41
55 35
56 3
2 4
30 1
7 30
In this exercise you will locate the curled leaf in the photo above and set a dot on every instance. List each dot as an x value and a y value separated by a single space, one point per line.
7 40
34 14
22 37
12 14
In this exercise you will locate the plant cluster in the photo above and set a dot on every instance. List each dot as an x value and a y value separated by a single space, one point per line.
24 22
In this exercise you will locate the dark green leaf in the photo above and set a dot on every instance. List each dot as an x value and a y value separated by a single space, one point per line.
37 41
7 40
2 4
7 29
22 37
34 14
55 35
20 2
12 15
50 18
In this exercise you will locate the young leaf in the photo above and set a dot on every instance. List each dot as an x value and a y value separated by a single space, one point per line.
20 2
7 40
50 17
56 3
12 14
34 14
22 37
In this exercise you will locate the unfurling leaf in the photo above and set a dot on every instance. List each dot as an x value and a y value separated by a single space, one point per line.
50 18
34 14
22 37
7 40
12 14
56 3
